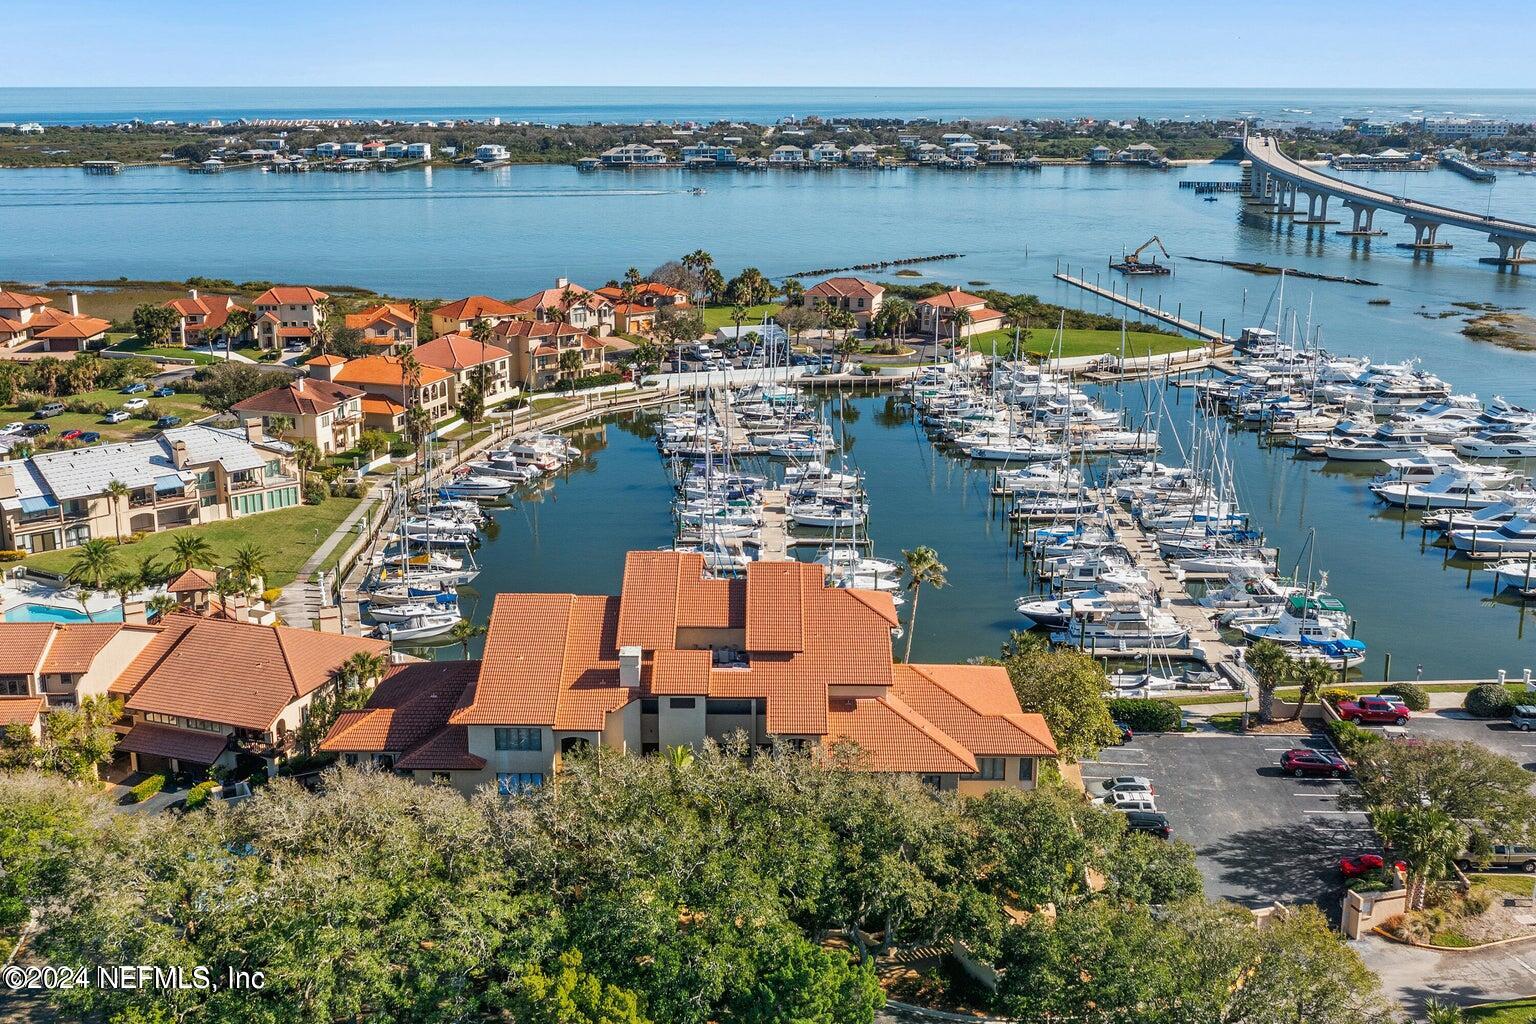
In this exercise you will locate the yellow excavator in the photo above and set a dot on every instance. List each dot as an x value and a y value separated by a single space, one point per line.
1132 264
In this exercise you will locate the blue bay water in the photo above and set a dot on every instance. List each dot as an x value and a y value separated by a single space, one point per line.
506 233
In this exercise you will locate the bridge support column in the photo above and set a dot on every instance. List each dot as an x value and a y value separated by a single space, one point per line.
1424 232
1365 220
1317 209
1511 252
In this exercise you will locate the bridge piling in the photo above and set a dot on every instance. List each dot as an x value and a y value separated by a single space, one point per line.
1511 252
1424 232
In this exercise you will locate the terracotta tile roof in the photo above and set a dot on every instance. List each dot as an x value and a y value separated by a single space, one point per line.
474 307
846 287
775 611
386 370
458 351
552 297
379 406
533 329
326 360
20 710
306 396
262 669
21 300
684 671
22 646
166 741
75 645
977 706
214 309
953 299
389 311
446 750
295 332
408 708
48 317
290 295
657 288
9 326
78 328
193 581
892 737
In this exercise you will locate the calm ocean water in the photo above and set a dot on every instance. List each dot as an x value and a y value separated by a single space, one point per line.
507 233
607 104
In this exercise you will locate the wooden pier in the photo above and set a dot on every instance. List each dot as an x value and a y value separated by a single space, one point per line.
1197 328
775 533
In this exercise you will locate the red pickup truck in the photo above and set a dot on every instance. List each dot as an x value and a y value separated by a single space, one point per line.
1374 709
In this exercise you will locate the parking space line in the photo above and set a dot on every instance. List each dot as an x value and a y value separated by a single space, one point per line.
1305 811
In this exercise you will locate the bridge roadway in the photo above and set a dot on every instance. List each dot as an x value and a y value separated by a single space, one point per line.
1276 180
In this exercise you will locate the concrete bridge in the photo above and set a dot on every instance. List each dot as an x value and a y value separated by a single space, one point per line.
1276 182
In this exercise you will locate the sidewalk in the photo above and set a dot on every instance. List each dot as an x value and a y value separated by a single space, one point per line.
301 600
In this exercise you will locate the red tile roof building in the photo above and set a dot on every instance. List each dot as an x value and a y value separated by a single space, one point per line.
389 325
288 313
571 303
937 313
460 316
203 317
678 658
29 318
326 413
487 365
860 297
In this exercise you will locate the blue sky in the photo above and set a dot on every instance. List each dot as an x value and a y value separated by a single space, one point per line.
1444 44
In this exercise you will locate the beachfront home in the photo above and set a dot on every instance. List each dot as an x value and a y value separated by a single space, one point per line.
863 155
183 476
708 154
391 325
580 307
202 318
472 363
418 151
327 150
826 153
394 151
633 154
928 153
854 294
1141 153
538 345
964 149
287 314
936 315
180 717
787 156
459 317
997 153
777 659
389 390
1100 155
491 153
326 414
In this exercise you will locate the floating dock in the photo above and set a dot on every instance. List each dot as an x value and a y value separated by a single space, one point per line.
1197 328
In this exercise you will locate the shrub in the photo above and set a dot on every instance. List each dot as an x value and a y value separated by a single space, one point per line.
1350 738
400 449
1147 714
1411 694
146 789
271 594
316 489
199 794
1489 701
1477 900
12 555
1336 694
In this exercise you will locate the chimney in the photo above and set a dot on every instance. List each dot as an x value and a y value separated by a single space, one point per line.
298 385
134 614
329 620
7 481
237 608
191 293
562 282
74 304
254 429
629 667
179 454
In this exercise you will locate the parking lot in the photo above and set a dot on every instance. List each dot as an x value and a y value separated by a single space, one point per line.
1260 837
1498 736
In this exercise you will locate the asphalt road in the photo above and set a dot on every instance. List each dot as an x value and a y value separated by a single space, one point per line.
1260 837
1498 736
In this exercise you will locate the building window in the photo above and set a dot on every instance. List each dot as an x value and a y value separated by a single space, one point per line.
519 738
993 769
14 686
681 703
512 783
76 535
649 705
716 706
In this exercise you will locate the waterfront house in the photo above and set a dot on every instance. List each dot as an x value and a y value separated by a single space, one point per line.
326 414
655 294
471 363
395 150
1142 153
633 154
491 152
854 294
288 313
391 325
352 149
863 155
954 138
580 307
826 153
59 664
537 347
997 153
73 334
1100 155
31 320
181 477
708 154
459 317
777 659
388 389
17 311
418 151
373 149
963 150
202 318
787 156
936 314
327 150
180 717
928 153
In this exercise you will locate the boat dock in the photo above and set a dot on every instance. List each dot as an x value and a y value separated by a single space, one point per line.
775 532
1197 328
1205 643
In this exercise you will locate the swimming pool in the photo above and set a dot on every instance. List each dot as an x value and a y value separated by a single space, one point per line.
55 613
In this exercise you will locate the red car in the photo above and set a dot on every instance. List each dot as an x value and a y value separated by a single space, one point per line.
1306 761
70 435
1374 709
1354 867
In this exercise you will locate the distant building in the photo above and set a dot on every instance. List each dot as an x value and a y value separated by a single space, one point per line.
826 153
326 414
288 314
418 151
863 155
391 325
634 154
459 317
787 155
936 315
854 294
491 153
202 317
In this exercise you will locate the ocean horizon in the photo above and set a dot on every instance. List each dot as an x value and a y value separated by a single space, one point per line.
608 104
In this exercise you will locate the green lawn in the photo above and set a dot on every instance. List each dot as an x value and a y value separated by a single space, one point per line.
138 347
1515 1011
1083 343
288 537
188 407
1515 885
720 316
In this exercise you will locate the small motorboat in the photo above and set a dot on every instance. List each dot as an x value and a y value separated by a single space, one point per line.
471 485
439 604
420 627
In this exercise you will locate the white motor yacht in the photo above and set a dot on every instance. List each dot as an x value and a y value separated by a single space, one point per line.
1498 444
1451 489
1516 536
419 627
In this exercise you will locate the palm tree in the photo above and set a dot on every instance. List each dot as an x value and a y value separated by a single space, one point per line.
1313 674
94 562
123 584
463 632
1427 838
225 587
570 363
1436 1012
189 551
738 317
117 491
306 456
248 565
149 571
83 594
1272 667
362 671
161 605
959 320
235 325
923 567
